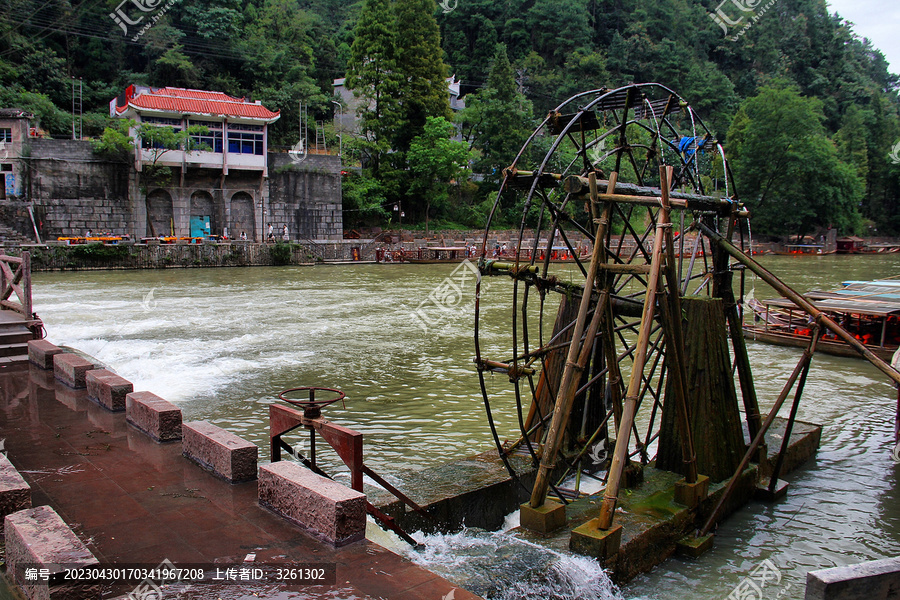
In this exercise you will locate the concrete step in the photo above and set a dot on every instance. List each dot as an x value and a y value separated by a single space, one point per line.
13 360
14 350
19 335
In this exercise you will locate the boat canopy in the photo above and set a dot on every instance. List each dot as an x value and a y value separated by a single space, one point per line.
871 308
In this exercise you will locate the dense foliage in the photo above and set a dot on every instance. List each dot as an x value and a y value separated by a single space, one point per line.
516 59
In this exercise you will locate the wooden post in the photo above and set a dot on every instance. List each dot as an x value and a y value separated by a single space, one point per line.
26 284
715 420
800 368
623 435
671 313
565 394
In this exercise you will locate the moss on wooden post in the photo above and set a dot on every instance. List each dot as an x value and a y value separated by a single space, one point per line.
712 400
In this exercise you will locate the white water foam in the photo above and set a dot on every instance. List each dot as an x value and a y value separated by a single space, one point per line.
500 566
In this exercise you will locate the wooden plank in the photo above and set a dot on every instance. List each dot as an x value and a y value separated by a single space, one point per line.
625 269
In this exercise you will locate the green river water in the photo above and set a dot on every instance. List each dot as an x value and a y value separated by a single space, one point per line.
221 343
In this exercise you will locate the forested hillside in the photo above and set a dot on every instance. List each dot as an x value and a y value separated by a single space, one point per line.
797 65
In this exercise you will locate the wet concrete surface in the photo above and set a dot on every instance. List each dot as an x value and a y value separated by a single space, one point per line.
134 501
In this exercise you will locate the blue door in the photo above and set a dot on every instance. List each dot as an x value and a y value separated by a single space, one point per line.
200 226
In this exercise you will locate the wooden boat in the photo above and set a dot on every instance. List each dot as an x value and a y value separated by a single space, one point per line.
437 255
803 249
870 310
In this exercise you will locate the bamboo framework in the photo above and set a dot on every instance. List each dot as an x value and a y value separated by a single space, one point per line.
627 206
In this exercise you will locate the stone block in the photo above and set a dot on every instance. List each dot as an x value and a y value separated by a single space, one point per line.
41 353
15 493
692 494
222 452
39 538
331 510
108 389
71 369
763 494
875 580
590 540
694 547
544 519
158 418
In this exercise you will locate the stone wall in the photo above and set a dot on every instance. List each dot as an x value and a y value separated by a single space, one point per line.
74 190
306 196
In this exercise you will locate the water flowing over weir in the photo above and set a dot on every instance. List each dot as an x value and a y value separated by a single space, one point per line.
412 421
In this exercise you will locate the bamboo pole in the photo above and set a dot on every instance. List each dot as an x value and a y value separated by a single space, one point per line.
802 365
623 434
804 304
565 395
789 428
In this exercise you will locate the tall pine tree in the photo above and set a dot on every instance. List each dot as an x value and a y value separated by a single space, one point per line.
420 69
371 76
497 119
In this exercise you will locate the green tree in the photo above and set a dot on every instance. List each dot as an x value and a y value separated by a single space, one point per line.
788 172
419 66
435 160
497 119
852 144
115 142
371 76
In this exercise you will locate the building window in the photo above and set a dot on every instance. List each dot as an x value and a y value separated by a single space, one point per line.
5 134
211 141
173 124
244 142
6 168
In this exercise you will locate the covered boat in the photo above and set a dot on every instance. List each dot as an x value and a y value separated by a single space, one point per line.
870 310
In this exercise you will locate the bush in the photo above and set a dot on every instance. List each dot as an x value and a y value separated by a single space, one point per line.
281 253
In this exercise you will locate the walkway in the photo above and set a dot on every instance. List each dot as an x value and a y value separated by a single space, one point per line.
134 501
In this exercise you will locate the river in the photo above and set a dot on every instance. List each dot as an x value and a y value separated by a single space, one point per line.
222 343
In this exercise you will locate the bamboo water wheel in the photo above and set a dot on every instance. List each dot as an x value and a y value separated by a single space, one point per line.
619 191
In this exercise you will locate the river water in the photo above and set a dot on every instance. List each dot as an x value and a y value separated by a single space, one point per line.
221 343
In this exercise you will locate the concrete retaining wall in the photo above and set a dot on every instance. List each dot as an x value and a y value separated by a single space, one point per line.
75 190
162 256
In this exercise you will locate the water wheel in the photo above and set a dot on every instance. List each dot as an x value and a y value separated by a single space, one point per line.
613 188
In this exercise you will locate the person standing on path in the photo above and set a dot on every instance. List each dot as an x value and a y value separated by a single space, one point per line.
271 235
284 233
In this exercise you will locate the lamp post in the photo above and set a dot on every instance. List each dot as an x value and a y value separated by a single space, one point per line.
400 214
341 123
